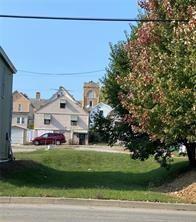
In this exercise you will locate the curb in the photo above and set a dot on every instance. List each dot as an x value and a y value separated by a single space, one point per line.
100 203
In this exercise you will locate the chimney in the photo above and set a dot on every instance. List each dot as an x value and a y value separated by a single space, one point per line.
38 95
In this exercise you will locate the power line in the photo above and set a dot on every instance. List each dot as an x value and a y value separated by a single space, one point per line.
61 74
92 19
53 76
46 89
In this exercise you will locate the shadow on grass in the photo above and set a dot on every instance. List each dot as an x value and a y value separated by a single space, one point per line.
33 174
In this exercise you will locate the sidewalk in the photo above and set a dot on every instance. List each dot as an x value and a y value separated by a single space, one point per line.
94 202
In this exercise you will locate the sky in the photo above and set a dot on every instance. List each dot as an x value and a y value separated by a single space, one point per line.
48 46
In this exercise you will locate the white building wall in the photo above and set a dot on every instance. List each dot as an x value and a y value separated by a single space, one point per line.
20 115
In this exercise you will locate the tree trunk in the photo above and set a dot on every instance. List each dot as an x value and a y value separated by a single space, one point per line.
191 152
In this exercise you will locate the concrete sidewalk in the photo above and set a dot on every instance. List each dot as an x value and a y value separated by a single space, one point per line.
94 202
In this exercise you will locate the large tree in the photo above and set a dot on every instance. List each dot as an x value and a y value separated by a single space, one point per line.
160 88
118 127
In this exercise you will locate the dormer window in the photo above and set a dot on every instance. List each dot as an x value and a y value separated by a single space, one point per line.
62 104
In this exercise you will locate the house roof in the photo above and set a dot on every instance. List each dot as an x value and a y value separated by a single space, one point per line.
101 104
50 101
38 103
62 91
91 83
53 99
7 60
22 94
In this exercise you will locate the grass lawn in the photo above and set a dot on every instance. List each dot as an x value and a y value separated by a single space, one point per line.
86 174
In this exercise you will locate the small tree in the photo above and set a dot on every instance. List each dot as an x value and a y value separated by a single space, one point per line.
100 128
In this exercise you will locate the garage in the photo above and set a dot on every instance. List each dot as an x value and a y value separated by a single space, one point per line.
18 135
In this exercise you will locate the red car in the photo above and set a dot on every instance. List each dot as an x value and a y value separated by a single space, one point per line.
49 138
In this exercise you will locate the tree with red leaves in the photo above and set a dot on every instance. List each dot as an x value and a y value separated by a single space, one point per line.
160 88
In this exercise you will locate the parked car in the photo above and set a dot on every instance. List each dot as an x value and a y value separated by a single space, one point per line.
49 138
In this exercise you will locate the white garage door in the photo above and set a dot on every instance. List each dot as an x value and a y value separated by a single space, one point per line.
17 135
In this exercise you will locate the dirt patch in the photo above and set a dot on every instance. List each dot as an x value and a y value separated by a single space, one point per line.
184 187
188 194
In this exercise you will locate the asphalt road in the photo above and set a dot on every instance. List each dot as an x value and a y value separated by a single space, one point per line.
68 213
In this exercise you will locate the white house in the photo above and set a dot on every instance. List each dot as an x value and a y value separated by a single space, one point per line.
102 108
6 78
63 114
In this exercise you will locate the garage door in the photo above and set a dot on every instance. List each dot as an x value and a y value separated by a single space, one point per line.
17 135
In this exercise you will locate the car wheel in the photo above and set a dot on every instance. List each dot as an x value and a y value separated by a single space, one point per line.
36 143
58 142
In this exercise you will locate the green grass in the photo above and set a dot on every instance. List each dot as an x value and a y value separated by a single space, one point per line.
85 174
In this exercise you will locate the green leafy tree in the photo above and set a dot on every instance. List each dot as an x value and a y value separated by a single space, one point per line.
159 92
100 128
121 130
118 67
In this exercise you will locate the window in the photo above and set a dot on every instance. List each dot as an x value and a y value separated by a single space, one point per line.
20 108
90 103
45 135
91 94
47 119
101 112
20 120
62 103
74 123
74 120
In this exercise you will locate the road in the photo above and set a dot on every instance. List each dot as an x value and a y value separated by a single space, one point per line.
69 213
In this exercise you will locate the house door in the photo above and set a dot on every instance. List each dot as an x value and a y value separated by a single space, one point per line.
82 138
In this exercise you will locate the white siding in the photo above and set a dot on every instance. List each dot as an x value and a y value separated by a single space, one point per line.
17 135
